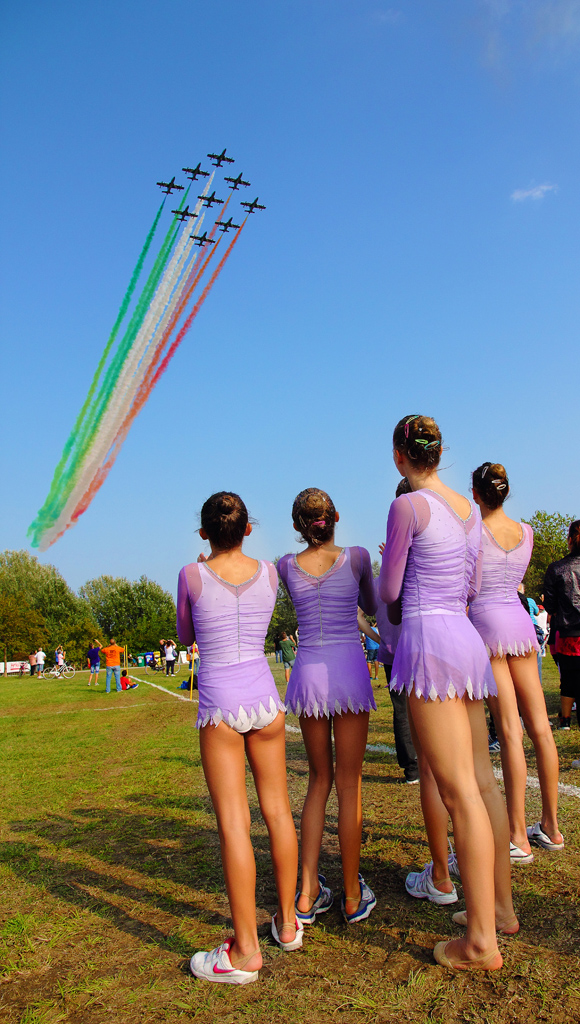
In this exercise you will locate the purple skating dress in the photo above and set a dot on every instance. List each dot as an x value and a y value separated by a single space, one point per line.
497 612
432 555
229 623
330 674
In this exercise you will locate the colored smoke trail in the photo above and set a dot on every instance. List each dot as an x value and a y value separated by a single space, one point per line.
141 399
132 362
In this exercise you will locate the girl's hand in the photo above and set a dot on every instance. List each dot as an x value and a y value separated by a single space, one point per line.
201 557
381 549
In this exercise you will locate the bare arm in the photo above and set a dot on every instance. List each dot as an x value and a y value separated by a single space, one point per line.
365 627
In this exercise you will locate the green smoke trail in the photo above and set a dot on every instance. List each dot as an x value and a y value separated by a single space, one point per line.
93 408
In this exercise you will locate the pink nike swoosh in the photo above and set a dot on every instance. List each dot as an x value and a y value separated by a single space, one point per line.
219 970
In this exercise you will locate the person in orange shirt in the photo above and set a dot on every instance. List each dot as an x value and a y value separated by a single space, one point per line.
112 664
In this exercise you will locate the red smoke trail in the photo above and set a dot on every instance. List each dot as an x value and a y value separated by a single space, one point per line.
144 392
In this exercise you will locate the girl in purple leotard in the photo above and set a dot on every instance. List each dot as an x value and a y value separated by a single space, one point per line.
226 603
510 639
431 561
330 691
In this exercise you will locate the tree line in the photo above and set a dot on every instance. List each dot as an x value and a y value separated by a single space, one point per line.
38 608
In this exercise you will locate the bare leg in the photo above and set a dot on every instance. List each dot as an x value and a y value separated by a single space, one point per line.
350 737
444 732
506 717
505 918
532 706
266 751
435 814
224 766
316 733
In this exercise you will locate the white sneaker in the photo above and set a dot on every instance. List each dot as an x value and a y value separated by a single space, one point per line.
216 966
420 885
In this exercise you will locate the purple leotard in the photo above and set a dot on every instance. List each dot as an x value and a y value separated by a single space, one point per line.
388 632
432 555
497 612
229 623
330 674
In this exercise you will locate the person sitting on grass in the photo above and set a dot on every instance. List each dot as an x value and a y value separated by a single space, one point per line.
126 683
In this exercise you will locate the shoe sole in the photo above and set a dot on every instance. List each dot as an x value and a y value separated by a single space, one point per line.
223 979
355 918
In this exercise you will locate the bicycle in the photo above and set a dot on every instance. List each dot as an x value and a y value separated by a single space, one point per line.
65 671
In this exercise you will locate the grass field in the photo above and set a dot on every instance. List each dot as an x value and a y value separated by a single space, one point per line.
110 878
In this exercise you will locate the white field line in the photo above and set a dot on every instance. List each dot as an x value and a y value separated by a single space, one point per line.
382 747
165 690
533 783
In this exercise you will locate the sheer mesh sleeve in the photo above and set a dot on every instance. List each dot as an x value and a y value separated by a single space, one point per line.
360 561
475 581
408 515
282 568
188 590
273 576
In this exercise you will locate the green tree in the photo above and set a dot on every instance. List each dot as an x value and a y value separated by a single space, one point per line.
66 619
550 544
22 628
283 618
136 613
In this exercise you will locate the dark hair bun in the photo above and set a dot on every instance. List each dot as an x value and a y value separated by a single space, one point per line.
224 518
314 516
490 480
419 438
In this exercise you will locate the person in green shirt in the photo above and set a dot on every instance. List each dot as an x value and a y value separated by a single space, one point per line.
288 646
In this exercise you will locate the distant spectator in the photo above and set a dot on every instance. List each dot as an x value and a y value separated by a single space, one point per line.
40 660
288 647
372 656
94 660
126 683
170 654
112 664
32 662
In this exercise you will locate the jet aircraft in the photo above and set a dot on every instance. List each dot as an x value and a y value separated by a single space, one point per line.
202 239
184 214
208 200
194 172
225 225
236 182
253 206
168 186
219 158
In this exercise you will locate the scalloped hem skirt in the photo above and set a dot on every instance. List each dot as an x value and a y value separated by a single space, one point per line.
329 681
243 695
505 629
440 656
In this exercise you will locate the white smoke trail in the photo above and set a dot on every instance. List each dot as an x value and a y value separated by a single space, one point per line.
167 296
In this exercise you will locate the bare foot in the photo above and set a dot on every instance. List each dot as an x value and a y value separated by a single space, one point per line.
240 960
454 954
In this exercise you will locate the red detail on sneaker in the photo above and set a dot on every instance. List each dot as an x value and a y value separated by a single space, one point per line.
219 970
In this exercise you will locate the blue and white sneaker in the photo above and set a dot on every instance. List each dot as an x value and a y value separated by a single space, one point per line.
368 902
322 903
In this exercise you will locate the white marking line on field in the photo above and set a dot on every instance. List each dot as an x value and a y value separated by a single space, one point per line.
533 783
165 690
381 747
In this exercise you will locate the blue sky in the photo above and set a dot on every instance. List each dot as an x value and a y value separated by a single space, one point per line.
420 167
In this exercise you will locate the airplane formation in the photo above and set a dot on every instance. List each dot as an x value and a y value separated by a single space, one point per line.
193 173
